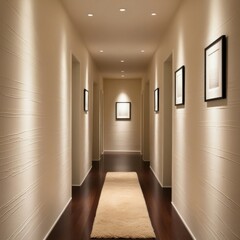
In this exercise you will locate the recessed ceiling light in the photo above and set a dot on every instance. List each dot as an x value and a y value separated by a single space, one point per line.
142 51
122 61
154 14
90 14
123 76
101 51
122 71
122 9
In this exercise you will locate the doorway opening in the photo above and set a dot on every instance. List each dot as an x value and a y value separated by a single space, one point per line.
146 124
167 128
76 101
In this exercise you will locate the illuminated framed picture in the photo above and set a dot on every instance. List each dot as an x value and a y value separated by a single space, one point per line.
85 100
180 86
123 110
156 100
215 70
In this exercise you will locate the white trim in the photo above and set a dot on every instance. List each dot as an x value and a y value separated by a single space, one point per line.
156 176
189 230
86 176
122 151
158 179
146 160
48 233
78 185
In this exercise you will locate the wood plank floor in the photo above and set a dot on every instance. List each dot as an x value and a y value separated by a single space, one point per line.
77 220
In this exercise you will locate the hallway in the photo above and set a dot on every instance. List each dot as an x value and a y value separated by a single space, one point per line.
82 79
76 222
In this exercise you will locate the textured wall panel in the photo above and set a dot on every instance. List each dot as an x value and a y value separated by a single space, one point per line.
206 136
35 115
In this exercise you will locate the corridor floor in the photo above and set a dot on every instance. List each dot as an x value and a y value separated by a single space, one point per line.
77 220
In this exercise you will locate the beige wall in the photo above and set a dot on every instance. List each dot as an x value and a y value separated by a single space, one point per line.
206 136
122 135
37 43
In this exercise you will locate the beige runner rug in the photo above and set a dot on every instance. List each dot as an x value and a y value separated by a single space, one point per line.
122 212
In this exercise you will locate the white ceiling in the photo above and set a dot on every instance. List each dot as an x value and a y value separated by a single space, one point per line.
121 35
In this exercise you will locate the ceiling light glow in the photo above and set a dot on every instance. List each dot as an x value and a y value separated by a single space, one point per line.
90 14
101 51
154 14
122 61
122 9
142 51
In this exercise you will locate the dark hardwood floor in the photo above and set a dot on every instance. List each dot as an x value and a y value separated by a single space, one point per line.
77 220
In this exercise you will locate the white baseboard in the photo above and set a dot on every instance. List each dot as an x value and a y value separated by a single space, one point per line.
78 185
146 160
189 230
122 151
57 219
156 176
85 176
158 179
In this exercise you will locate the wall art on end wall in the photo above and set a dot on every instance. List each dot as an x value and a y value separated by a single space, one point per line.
85 100
180 86
123 110
156 100
215 70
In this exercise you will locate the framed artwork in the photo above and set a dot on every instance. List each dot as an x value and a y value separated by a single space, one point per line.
123 110
85 100
156 100
180 86
215 70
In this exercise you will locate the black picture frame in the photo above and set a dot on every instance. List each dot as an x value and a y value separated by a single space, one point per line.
180 86
156 100
215 70
123 111
85 100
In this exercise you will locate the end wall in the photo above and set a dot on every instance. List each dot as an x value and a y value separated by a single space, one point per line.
122 136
